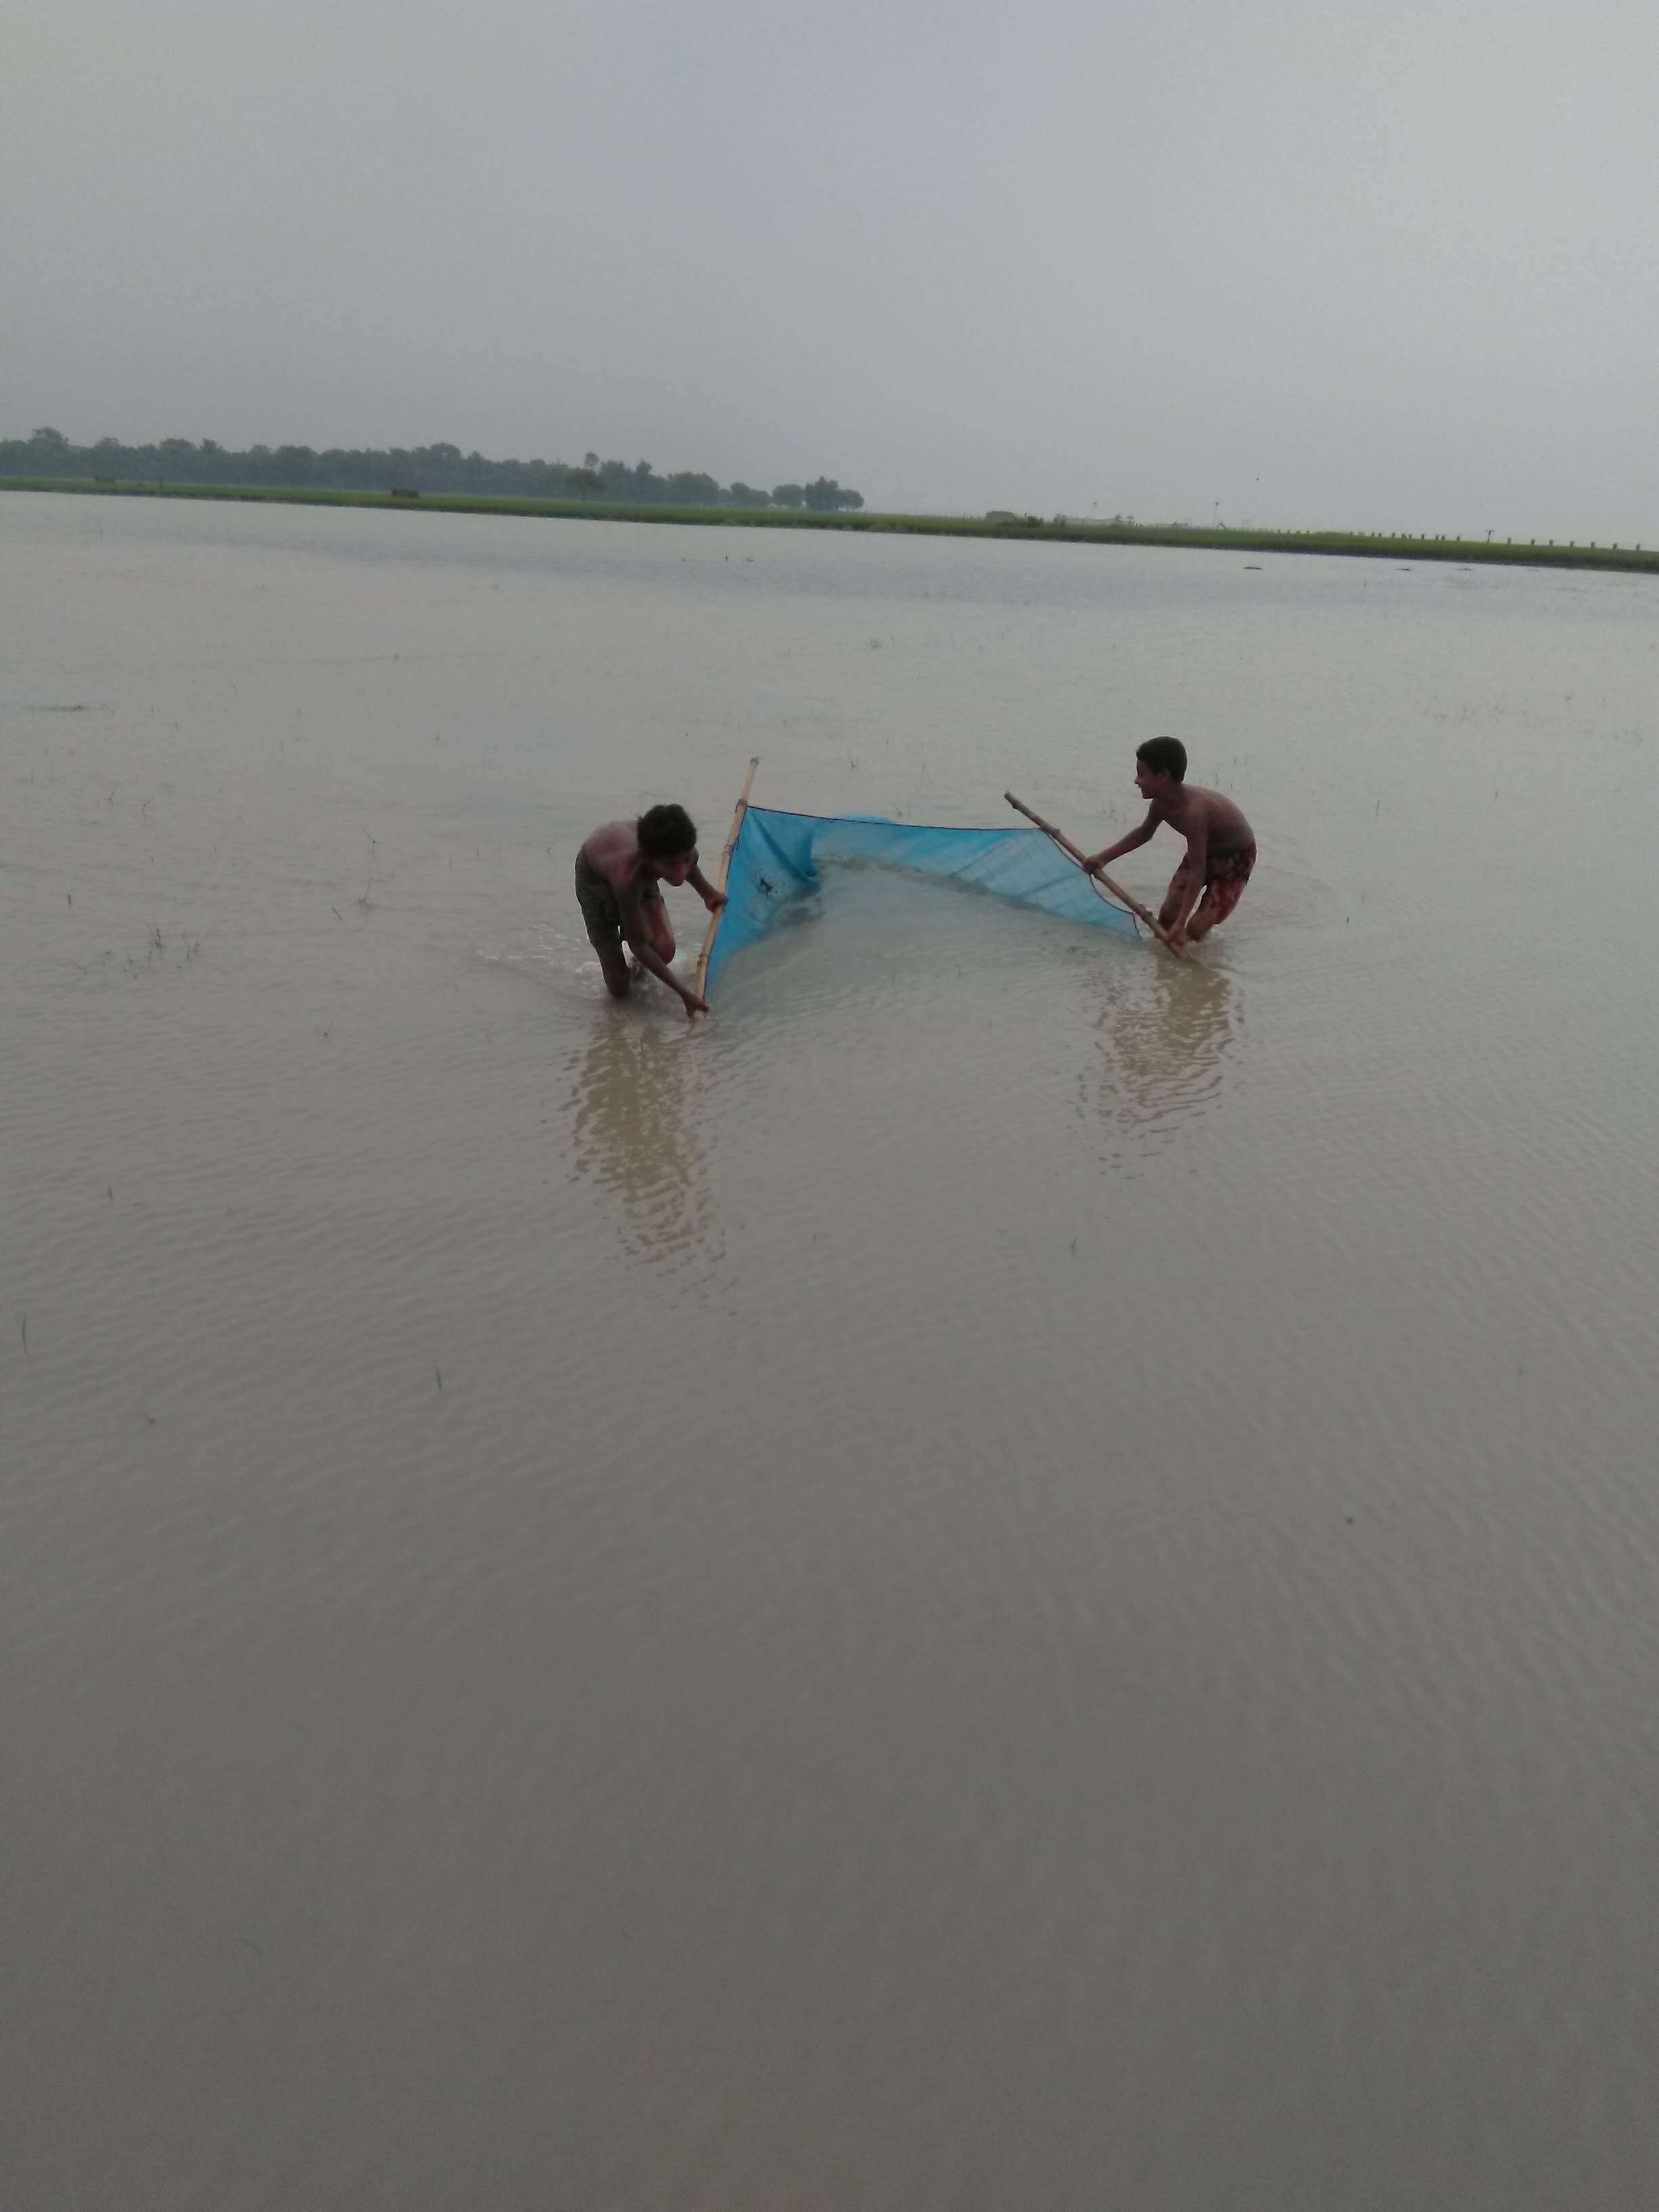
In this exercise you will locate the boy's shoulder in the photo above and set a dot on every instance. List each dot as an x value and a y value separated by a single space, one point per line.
614 850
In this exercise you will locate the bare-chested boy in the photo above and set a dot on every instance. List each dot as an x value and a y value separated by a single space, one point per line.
1220 842
620 873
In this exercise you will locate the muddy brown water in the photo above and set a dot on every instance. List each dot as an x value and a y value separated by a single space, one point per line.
1017 1578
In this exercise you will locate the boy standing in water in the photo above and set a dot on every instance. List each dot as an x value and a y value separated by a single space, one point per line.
620 872
1220 842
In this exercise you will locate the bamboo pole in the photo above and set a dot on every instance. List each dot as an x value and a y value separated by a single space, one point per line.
1116 889
734 834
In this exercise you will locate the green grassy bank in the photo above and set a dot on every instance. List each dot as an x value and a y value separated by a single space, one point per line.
1531 554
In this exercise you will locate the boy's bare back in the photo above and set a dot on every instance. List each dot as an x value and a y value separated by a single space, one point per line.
1189 806
613 851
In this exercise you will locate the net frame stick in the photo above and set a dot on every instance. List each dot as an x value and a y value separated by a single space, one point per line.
731 845
1177 951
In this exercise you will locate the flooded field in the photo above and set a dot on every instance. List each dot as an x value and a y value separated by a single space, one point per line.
1013 1578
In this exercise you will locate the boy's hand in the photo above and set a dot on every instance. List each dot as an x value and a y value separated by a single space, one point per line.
694 1004
714 900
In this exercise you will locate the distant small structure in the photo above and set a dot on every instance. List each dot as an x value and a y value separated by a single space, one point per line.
405 491
1001 515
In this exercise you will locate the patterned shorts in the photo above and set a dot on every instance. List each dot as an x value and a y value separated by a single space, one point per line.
600 911
1225 876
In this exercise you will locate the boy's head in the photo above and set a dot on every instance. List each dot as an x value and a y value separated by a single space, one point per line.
668 841
1158 764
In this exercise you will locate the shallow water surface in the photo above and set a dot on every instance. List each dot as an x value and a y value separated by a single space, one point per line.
1012 1578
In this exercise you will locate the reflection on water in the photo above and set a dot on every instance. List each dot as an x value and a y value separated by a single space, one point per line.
1165 1031
632 1132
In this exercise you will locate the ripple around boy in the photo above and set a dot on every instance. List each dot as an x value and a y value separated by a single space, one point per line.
620 872
1220 842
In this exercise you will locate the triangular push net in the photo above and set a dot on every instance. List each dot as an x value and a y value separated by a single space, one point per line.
777 856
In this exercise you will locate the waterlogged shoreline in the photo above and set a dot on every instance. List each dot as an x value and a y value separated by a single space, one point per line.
1514 553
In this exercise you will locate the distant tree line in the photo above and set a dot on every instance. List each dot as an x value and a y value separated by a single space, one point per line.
439 468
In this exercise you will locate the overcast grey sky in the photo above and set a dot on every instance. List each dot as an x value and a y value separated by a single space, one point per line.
1390 264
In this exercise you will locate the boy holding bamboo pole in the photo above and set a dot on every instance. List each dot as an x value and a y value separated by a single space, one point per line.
1220 844
620 872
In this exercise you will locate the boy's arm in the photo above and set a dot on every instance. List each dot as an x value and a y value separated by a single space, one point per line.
712 899
1141 836
640 945
650 959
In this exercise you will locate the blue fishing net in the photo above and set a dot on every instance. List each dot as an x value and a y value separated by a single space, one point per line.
777 856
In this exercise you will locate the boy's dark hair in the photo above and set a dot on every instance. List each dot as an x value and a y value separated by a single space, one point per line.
665 832
1164 757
